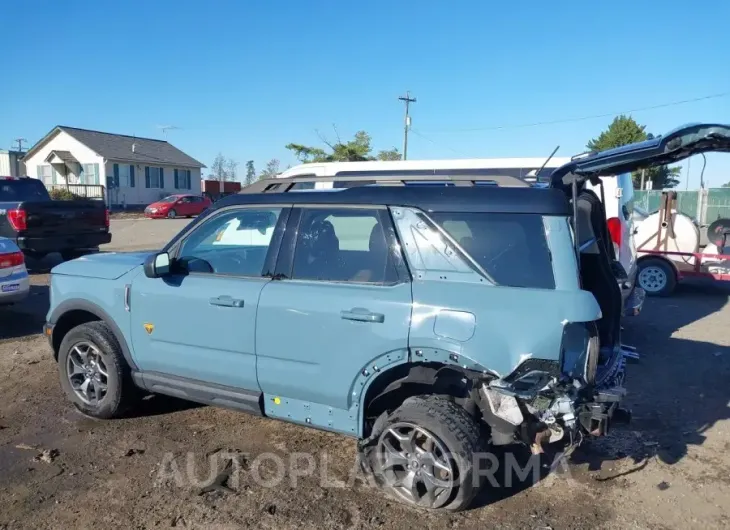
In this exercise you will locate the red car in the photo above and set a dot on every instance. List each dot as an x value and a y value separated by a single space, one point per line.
174 206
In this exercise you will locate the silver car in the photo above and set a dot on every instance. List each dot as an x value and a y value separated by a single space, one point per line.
14 281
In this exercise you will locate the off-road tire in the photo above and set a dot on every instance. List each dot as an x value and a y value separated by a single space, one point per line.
455 429
121 390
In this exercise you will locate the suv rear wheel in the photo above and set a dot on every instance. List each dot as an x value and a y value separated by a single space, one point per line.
425 455
93 372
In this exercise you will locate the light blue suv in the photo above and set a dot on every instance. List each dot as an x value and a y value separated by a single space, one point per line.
428 321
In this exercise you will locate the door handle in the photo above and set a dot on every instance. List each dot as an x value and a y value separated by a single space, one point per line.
226 301
359 314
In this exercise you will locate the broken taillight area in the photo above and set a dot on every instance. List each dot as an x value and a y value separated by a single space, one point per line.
546 401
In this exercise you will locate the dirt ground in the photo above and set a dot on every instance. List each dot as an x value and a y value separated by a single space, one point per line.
669 469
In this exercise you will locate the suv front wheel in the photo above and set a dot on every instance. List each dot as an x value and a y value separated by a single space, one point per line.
426 454
93 372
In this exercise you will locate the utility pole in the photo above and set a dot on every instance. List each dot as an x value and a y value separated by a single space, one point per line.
20 143
407 99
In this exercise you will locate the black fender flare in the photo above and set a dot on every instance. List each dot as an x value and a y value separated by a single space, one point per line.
79 304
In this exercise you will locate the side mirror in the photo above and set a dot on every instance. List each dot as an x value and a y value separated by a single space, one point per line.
157 265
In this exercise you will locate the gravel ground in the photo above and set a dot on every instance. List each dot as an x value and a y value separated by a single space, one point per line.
669 469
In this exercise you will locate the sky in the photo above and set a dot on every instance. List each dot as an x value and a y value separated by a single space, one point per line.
245 78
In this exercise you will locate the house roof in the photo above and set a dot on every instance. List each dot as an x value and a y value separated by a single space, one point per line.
119 147
66 156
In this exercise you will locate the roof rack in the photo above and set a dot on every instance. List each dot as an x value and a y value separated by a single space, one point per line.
283 185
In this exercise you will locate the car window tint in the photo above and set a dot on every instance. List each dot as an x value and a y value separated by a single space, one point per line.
343 245
511 248
232 243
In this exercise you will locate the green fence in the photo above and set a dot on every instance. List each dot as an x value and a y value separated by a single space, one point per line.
715 205
718 204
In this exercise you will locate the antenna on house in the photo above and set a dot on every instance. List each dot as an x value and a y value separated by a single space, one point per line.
165 128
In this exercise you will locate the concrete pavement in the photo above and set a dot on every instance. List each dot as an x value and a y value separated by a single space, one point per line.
143 234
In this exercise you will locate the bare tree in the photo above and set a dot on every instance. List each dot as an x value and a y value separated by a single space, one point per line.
231 169
272 169
218 168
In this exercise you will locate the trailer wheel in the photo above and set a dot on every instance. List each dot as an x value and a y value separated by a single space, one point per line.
657 277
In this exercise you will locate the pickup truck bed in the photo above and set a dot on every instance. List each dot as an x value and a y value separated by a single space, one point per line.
40 225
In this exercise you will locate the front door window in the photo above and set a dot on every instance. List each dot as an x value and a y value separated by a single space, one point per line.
235 243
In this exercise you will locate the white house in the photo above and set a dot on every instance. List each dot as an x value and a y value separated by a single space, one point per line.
135 171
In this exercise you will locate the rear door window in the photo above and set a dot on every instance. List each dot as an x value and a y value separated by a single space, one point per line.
343 245
511 248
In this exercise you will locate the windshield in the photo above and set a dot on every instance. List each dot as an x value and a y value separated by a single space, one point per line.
26 189
171 198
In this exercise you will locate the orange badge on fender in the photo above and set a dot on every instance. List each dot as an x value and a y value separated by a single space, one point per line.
149 328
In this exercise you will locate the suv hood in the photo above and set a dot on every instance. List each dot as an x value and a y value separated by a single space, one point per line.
672 147
105 265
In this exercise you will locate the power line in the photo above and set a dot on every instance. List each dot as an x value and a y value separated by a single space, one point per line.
590 117
435 143
408 100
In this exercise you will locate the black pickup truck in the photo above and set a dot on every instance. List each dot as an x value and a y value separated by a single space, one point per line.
39 225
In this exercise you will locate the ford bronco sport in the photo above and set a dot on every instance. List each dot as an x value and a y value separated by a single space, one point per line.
429 322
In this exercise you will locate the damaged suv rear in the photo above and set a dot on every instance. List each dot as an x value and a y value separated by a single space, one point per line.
430 316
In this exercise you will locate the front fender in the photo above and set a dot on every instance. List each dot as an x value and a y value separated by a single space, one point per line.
79 304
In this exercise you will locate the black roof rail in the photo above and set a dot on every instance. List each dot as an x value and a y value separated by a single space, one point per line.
283 185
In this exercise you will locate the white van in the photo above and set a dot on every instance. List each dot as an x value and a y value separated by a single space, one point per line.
517 167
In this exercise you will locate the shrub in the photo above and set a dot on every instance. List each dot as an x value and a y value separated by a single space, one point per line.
62 194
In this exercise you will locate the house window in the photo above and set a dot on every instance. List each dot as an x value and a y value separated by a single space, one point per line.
89 174
182 179
124 176
45 174
154 177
